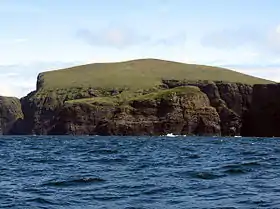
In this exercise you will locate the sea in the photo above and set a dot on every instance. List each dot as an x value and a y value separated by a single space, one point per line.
139 172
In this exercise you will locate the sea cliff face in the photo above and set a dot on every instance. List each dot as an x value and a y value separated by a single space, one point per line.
175 106
179 107
182 110
262 120
231 101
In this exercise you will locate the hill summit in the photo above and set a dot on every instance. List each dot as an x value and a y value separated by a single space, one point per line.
141 73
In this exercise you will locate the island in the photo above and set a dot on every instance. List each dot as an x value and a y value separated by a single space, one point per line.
145 97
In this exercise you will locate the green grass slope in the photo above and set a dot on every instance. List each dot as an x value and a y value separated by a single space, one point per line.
139 74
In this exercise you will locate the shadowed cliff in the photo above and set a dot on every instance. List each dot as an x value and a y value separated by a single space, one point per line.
264 116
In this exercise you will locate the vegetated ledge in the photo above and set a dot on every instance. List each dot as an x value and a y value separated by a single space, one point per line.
139 97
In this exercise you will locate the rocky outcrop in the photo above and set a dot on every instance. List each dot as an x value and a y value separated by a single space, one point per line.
40 107
10 113
231 100
262 120
184 110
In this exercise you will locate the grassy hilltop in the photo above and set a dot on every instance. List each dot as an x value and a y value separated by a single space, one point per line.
94 83
139 74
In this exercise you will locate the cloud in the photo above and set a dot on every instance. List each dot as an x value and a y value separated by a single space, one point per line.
172 40
19 80
117 37
263 42
9 75
232 38
13 41
267 72
20 40
273 40
164 6
123 37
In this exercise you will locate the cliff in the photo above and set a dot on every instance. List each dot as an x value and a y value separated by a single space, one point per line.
140 97
263 118
10 113
182 110
231 101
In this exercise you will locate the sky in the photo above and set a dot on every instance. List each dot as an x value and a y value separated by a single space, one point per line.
42 35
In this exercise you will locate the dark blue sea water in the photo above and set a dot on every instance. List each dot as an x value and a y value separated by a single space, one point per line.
139 172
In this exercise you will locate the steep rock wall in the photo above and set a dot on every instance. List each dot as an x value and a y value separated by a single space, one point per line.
176 111
263 119
231 100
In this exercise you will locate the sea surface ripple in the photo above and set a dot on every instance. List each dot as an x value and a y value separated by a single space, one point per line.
139 172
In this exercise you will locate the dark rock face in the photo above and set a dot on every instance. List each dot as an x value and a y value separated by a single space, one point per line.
216 109
177 115
10 113
231 100
263 118
80 119
38 110
221 110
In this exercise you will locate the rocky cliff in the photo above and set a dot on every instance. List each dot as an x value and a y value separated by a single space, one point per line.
181 110
217 109
148 97
231 101
179 107
10 113
262 120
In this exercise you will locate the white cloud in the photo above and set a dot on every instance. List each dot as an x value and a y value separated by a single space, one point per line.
114 37
14 41
243 46
8 75
124 37
178 39
262 41
278 29
232 38
20 40
266 72
164 6
19 80
273 40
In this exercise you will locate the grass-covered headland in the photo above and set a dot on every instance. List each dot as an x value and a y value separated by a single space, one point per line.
114 83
